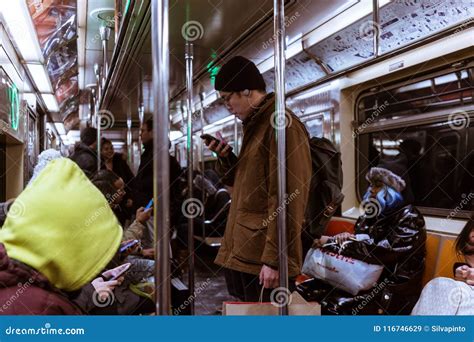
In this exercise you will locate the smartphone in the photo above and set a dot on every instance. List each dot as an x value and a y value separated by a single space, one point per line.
149 205
209 138
119 271
128 246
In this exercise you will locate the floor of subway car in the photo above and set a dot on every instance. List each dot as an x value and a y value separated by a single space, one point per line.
210 286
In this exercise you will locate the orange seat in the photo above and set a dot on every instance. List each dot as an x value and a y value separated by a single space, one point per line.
432 247
339 225
447 257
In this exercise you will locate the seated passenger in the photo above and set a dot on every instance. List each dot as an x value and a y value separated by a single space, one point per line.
446 296
124 300
112 187
395 238
63 234
116 198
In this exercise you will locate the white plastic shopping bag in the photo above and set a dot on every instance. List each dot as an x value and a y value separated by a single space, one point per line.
345 273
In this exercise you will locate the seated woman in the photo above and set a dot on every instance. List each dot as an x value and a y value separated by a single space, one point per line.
446 296
58 236
390 234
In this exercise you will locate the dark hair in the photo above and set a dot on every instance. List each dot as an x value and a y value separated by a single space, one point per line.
106 188
105 175
149 124
104 141
463 237
89 135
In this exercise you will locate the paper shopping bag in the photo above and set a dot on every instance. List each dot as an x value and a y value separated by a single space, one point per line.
297 307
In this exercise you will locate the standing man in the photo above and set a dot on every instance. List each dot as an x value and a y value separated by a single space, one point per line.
249 250
143 182
85 152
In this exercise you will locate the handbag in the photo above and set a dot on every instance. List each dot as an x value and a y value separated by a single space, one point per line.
346 273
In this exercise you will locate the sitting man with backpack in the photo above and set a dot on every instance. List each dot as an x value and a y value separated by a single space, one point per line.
249 251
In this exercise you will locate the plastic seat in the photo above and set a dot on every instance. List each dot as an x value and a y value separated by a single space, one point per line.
339 225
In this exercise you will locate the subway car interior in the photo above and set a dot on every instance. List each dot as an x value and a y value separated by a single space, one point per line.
386 85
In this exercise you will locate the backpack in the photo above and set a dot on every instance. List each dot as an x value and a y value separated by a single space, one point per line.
325 195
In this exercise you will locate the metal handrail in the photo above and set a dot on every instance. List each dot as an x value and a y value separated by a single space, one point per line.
221 210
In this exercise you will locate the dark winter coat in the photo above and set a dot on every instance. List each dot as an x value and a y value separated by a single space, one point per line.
86 158
143 183
24 291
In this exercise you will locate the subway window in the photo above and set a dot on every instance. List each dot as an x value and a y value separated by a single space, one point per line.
426 138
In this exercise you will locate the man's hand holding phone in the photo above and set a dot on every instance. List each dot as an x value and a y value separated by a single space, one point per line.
218 146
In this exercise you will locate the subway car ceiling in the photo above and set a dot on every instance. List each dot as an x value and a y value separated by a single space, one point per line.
324 40
354 74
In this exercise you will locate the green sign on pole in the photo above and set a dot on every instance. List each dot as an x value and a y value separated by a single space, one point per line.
14 98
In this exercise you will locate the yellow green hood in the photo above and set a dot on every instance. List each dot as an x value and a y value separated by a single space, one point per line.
62 226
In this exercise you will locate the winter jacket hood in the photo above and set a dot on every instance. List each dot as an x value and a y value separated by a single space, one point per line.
62 226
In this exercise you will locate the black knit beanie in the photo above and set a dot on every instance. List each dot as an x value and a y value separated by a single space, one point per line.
239 74
89 135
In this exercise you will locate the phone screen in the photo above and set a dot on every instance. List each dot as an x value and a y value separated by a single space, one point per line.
119 271
149 205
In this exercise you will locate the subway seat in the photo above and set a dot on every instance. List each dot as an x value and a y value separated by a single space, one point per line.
440 252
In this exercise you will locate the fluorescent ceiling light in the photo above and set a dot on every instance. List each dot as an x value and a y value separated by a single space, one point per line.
30 98
50 102
218 123
20 25
313 92
73 135
40 77
175 135
60 128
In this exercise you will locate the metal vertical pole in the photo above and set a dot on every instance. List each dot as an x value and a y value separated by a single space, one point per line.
161 177
279 57
141 111
98 117
236 136
376 26
104 32
202 96
129 138
98 75
189 87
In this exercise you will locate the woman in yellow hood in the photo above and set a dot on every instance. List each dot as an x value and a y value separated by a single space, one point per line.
59 234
